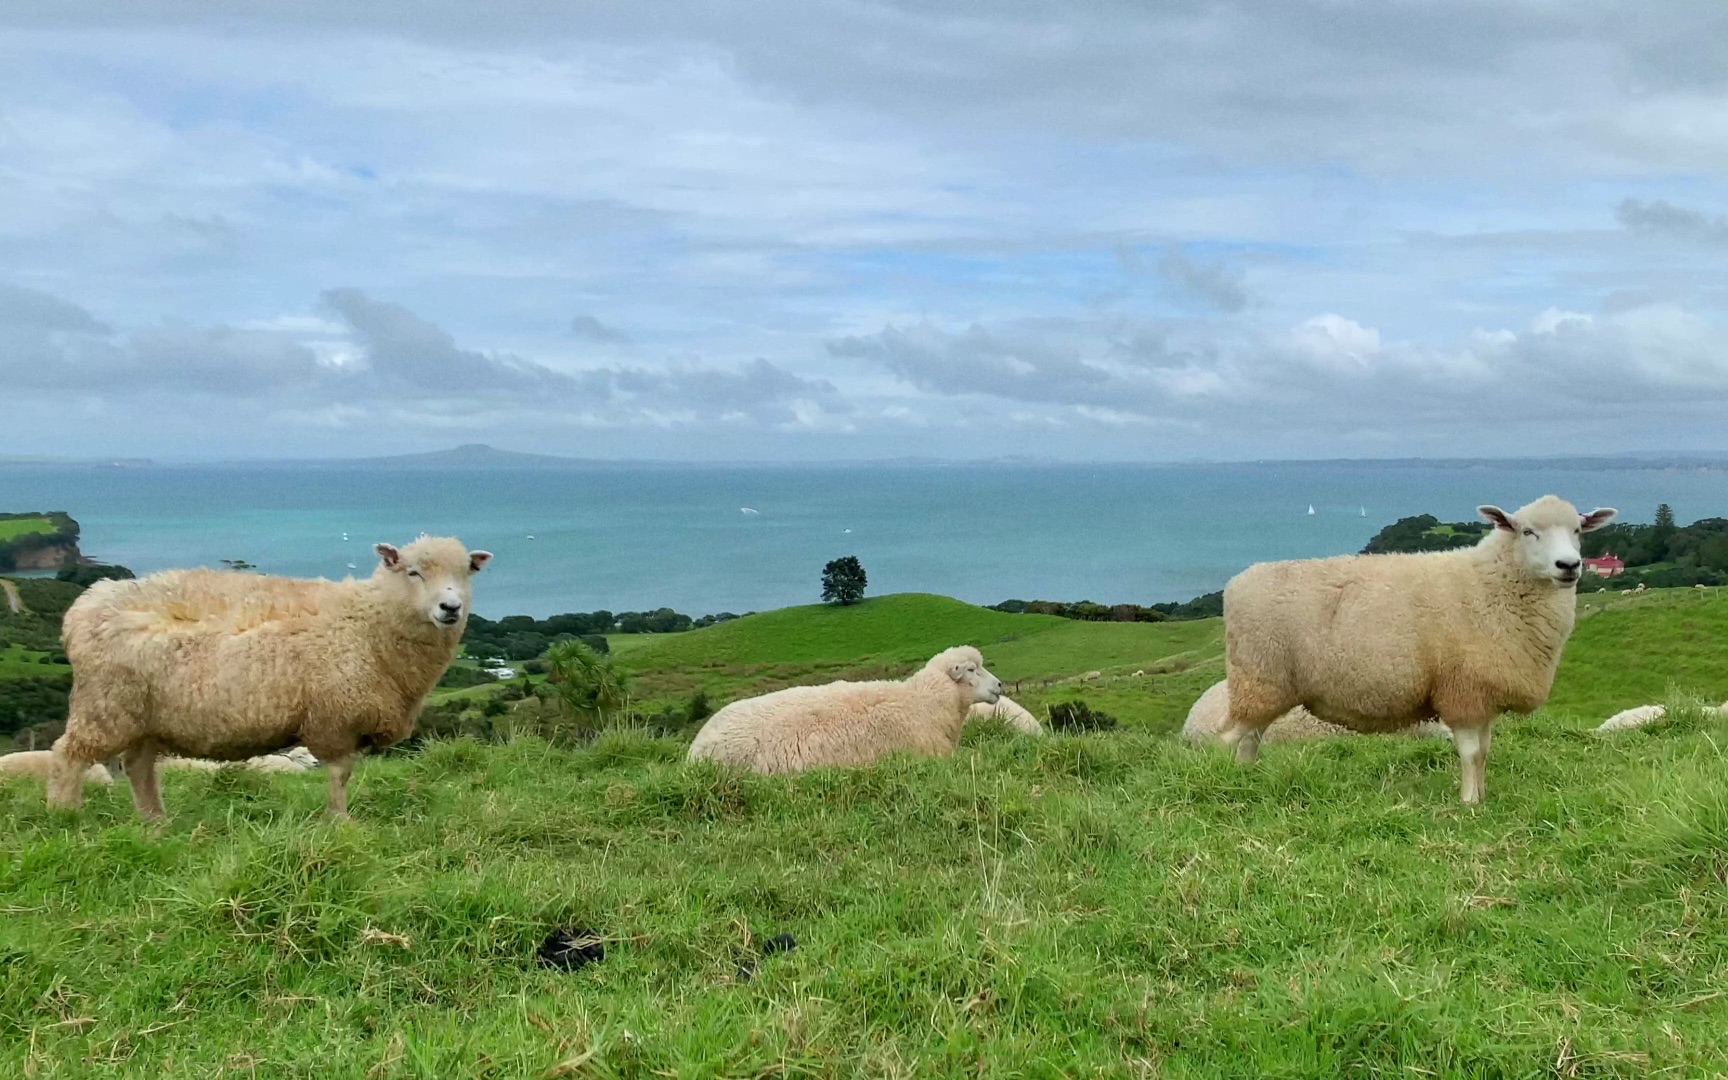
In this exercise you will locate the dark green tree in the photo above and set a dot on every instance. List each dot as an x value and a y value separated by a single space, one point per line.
843 580
1662 534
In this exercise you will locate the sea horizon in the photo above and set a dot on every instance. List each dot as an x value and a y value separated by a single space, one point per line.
638 536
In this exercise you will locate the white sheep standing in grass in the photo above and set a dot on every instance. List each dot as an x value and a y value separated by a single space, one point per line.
41 763
1379 642
850 723
1210 714
221 665
1010 712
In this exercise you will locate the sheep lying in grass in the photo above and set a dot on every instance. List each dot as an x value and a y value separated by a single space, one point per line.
850 723
1008 711
1209 715
1379 642
293 760
41 763
221 665
1644 714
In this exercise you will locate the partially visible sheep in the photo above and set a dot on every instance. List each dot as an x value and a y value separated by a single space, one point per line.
850 723
1008 711
41 763
270 763
221 665
1641 715
1209 715
1379 642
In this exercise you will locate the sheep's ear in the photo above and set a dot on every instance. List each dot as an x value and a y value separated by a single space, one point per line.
391 557
957 672
1597 518
477 561
1497 517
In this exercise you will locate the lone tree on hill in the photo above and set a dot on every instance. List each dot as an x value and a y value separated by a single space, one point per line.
844 580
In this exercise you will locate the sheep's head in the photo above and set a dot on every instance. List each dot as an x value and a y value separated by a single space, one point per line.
1545 536
965 666
432 574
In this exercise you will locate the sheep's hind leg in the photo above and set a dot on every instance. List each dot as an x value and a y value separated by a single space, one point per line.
340 769
146 784
1252 711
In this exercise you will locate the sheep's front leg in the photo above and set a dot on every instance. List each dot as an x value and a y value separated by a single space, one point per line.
146 785
1472 742
340 769
66 781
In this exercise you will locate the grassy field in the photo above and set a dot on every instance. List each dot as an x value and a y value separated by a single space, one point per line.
17 662
12 528
1113 904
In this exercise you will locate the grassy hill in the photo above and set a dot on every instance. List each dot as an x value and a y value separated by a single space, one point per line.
12 528
1113 904
888 636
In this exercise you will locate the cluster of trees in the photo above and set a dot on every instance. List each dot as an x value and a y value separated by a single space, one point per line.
1425 532
523 637
1207 606
63 533
1661 554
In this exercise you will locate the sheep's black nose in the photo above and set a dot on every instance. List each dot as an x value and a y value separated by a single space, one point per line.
447 606
1569 567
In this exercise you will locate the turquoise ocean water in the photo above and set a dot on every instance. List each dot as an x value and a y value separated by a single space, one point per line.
627 538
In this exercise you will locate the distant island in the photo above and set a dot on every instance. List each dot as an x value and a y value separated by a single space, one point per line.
39 540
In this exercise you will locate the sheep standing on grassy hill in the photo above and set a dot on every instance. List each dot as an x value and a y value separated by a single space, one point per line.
41 763
850 723
1211 713
1008 711
222 665
1379 642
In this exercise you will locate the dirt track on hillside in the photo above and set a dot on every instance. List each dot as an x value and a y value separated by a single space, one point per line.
12 599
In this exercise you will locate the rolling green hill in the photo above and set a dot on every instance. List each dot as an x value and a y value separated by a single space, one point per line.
1114 904
888 636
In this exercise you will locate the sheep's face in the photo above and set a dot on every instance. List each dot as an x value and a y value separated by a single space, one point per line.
970 674
433 575
1546 535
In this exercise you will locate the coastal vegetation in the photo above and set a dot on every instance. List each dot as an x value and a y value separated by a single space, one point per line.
43 540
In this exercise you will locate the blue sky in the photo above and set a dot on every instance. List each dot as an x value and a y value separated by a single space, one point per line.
853 230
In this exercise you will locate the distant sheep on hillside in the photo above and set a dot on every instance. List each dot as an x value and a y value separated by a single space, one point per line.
1379 642
221 665
850 723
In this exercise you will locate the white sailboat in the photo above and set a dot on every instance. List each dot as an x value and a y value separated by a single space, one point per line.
1310 509
1364 511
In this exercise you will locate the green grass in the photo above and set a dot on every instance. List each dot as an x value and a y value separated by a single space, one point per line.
1113 904
17 662
13 528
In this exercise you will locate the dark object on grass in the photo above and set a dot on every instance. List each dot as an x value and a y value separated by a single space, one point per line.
1078 716
777 943
572 949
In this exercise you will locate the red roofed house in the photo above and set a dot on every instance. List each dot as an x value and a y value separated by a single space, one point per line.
1607 565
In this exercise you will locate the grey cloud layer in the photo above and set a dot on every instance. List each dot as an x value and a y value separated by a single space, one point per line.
375 354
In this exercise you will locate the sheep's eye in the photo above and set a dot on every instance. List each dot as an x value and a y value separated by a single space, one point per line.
1529 532
413 573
